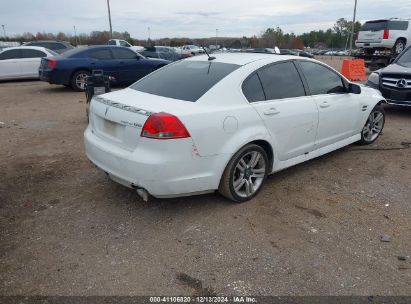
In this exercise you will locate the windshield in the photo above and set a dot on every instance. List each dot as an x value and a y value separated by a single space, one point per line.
52 52
405 58
185 80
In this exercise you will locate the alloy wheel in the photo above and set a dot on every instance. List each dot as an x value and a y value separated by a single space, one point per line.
249 174
81 80
373 127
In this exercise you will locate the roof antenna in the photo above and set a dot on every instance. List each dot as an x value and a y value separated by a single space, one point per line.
209 57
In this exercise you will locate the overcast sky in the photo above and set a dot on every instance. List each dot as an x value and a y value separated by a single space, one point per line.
198 18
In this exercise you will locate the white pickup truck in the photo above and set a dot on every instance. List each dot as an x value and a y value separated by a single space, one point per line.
120 42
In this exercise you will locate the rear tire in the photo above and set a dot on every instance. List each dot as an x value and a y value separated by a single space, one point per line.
399 46
78 80
374 126
245 174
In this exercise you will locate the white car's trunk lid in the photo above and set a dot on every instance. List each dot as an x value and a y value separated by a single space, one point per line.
119 117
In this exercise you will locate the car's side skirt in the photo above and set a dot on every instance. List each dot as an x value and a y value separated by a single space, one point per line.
321 151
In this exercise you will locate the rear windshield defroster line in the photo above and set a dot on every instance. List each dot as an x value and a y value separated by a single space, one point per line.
185 80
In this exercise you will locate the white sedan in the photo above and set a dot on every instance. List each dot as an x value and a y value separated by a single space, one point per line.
225 123
22 62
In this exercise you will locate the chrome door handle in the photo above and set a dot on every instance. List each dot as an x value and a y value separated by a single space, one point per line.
271 111
325 104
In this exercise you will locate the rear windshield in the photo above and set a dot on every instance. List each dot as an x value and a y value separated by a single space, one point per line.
381 25
185 80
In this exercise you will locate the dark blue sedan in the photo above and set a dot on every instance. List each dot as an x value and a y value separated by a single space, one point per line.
72 67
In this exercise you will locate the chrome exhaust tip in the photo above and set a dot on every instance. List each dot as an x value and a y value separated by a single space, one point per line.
143 194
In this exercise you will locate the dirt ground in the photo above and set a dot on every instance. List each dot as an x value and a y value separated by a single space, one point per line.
314 229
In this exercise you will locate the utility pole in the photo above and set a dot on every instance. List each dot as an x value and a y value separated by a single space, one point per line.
4 30
353 24
109 18
75 35
216 36
149 38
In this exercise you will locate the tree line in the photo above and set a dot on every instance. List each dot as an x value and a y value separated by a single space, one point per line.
335 37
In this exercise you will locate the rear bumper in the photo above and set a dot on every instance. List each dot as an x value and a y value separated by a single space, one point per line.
383 44
155 169
53 77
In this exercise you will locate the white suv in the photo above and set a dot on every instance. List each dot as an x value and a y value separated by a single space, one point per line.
392 34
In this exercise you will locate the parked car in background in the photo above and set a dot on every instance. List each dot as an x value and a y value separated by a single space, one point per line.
163 52
22 62
184 54
72 67
394 81
288 52
302 53
120 42
393 34
193 49
268 113
263 50
56 46
296 52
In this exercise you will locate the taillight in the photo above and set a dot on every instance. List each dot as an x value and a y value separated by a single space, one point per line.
164 126
52 64
357 35
386 34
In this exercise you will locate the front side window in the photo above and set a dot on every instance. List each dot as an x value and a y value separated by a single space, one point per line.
185 80
281 81
398 25
101 54
26 53
10 54
120 53
321 80
252 89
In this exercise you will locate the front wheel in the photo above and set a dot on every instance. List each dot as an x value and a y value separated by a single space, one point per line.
244 174
373 127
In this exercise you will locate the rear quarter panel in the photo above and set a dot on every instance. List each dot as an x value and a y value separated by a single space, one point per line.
223 120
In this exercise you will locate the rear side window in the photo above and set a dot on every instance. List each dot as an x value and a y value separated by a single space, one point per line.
101 54
120 53
185 80
10 54
252 89
111 42
281 81
32 54
322 80
398 25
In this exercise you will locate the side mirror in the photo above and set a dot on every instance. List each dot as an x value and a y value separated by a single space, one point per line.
354 88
